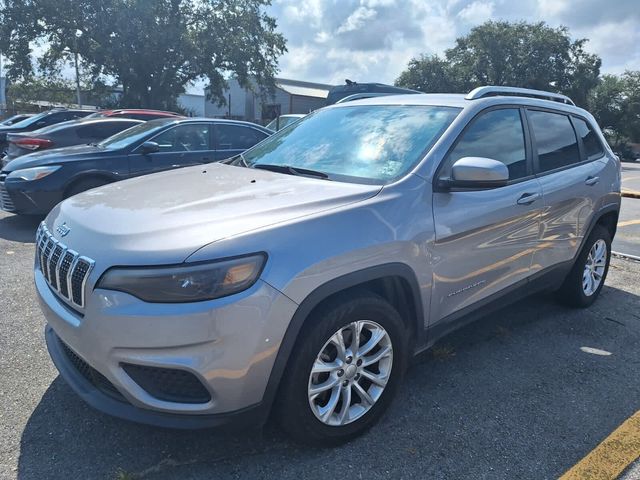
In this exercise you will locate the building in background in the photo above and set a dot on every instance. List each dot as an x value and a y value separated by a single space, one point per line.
192 103
289 96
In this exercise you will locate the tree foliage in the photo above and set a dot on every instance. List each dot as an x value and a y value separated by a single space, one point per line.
615 102
514 54
152 48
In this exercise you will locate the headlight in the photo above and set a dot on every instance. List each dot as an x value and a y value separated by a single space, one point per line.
186 283
35 173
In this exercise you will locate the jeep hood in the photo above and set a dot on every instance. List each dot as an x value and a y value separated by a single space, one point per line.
164 217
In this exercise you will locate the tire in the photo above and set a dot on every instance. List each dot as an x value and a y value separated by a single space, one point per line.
574 291
298 414
83 185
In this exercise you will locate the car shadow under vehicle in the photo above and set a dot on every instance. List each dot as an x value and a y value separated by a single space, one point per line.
511 395
19 228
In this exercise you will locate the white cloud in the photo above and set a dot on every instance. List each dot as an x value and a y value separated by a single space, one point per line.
372 40
357 19
477 12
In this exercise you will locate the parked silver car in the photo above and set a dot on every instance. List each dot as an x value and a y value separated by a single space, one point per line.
300 277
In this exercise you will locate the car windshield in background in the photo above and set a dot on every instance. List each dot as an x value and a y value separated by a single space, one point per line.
30 120
363 143
133 134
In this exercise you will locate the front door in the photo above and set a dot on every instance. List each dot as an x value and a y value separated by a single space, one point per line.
180 146
485 239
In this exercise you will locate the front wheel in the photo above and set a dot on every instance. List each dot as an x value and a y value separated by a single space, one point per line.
586 279
344 371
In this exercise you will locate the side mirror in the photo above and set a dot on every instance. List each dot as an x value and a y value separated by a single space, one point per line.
478 172
149 147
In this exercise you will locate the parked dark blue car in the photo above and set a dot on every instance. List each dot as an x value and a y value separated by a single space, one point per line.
33 184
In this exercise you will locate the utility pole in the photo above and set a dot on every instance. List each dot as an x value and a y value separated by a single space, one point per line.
75 55
3 84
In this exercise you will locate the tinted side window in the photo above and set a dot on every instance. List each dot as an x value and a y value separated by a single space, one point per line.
184 138
102 130
555 140
235 137
592 146
498 135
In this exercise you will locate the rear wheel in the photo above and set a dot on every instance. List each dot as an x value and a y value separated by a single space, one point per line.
344 371
84 185
586 279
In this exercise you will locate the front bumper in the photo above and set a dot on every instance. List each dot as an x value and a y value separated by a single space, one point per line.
228 344
28 198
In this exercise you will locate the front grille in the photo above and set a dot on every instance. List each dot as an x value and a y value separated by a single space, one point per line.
91 374
5 199
168 384
64 270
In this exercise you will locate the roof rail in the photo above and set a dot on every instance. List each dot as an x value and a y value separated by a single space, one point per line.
491 90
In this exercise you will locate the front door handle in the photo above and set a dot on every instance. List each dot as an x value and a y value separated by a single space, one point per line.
528 198
591 180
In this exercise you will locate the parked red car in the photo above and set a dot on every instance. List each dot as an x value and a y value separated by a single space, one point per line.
135 113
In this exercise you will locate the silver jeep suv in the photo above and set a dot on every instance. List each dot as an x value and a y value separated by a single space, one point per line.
300 278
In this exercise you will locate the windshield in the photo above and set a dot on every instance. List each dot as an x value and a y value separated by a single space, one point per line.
132 135
30 120
363 143
96 115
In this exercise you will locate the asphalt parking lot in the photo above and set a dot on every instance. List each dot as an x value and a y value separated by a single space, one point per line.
510 396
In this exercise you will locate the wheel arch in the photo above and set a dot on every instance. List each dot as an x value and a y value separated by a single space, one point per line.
84 176
607 217
395 282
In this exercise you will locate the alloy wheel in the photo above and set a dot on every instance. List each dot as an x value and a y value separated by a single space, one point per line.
350 373
594 267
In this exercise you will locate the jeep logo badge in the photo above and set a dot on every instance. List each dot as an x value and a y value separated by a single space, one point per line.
63 230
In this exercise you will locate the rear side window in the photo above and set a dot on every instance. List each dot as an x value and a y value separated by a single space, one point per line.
498 135
592 146
235 137
555 140
102 130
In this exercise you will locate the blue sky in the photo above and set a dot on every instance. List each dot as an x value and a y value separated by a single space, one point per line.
372 40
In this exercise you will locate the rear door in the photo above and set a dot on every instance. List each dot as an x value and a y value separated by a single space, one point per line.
180 146
230 140
96 132
570 181
485 238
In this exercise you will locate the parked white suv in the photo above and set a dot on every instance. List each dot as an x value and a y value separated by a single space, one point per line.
301 276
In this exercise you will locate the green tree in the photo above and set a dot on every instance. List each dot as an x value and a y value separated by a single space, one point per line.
152 48
512 54
615 103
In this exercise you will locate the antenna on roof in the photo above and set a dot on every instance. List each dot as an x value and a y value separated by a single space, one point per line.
349 82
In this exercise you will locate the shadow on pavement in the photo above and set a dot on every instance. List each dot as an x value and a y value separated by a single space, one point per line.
509 396
19 228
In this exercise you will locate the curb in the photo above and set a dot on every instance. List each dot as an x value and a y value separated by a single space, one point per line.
626 255
630 194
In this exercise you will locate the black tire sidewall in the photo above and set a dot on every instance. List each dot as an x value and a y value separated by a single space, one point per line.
572 292
295 413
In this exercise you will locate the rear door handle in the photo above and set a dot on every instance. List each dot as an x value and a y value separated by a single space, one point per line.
591 180
528 198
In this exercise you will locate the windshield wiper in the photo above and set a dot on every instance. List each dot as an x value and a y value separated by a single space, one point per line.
288 169
235 161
